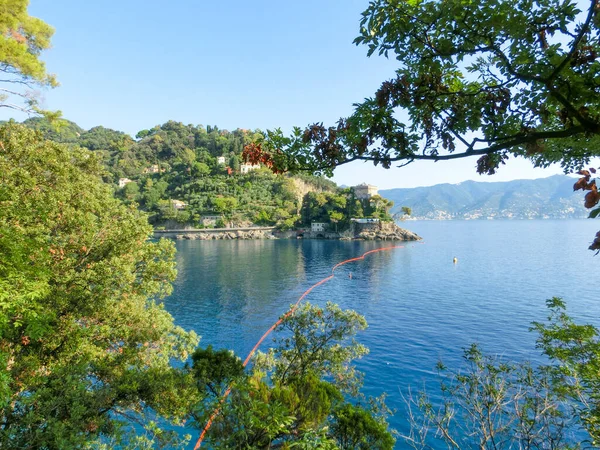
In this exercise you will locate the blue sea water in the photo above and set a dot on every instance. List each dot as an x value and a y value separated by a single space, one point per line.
420 306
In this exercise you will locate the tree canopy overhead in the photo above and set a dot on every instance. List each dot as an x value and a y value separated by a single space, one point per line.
492 78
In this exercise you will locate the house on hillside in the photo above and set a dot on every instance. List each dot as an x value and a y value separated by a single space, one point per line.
318 227
209 221
124 181
245 168
178 204
221 160
365 220
365 191
152 169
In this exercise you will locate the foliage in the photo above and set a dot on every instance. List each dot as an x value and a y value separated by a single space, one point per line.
84 345
63 131
323 206
22 39
356 428
585 183
179 162
100 138
574 351
492 404
380 207
496 404
294 396
314 345
215 370
493 79
225 205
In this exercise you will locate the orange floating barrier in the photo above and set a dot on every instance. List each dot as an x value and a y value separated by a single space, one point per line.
276 324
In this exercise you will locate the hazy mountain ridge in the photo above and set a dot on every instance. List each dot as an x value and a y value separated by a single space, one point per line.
543 198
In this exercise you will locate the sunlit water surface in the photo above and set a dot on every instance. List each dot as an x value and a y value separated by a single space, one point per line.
420 306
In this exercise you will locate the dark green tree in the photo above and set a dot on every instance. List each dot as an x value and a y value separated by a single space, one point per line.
62 130
216 370
294 395
84 342
234 163
356 428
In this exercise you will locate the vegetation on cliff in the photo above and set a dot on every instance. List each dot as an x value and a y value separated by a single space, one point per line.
84 343
196 175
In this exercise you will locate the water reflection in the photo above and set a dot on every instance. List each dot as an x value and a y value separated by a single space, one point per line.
420 306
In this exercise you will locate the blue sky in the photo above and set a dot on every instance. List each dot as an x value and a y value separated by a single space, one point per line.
133 64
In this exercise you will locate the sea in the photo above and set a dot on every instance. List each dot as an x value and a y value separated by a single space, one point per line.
422 305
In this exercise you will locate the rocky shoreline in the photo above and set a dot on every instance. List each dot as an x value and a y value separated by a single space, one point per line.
374 232
226 235
388 232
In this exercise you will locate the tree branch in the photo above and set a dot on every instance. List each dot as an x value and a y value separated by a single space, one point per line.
509 143
576 42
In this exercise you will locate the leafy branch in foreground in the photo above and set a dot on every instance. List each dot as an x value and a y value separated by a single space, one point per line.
296 394
574 351
488 79
85 346
496 404
492 79
22 39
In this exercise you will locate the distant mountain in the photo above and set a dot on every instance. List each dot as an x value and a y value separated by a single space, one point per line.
544 198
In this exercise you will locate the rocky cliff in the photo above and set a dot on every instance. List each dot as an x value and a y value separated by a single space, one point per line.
301 188
384 231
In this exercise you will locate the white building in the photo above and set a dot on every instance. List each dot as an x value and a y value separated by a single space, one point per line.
365 220
245 168
124 181
178 204
209 221
152 169
221 160
318 226
365 191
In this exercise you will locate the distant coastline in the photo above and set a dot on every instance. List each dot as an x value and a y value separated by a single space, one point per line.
543 198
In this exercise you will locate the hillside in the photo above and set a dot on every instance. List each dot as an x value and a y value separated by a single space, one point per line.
195 176
191 174
544 198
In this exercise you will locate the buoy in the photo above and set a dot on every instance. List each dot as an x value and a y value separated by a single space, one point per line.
455 260
350 275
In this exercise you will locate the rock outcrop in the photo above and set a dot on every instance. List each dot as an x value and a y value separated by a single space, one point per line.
384 231
301 188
